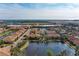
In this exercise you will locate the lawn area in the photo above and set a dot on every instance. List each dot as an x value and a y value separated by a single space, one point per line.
6 45
6 33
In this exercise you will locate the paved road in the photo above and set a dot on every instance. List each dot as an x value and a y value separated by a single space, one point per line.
20 38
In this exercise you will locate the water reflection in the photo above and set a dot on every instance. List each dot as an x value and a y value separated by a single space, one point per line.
41 49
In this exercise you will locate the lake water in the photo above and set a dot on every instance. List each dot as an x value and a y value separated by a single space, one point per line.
41 49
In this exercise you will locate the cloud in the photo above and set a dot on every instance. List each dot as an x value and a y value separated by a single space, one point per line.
38 5
39 11
4 6
39 14
50 5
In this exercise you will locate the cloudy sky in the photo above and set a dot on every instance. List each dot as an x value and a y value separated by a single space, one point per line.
39 11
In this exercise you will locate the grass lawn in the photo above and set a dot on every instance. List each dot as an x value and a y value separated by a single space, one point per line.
6 33
5 44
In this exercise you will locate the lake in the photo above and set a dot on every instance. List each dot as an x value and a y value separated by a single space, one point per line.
41 49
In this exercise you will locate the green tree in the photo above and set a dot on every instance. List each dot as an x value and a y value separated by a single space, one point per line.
1 42
77 51
16 52
50 52
65 37
63 53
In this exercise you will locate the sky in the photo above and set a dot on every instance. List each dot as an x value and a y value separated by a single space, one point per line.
39 11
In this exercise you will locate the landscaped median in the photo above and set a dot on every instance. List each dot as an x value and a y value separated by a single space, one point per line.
25 45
